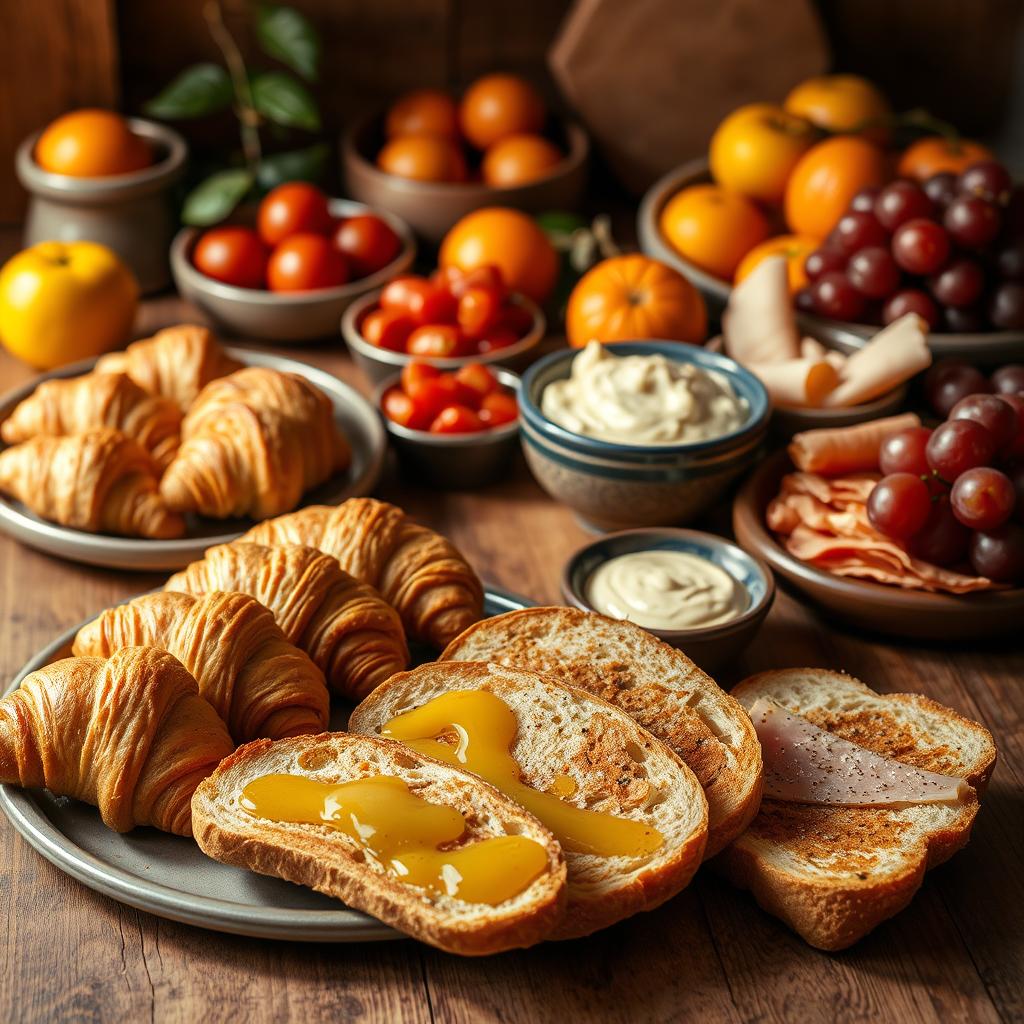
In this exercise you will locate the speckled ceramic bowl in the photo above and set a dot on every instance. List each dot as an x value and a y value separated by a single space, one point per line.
618 486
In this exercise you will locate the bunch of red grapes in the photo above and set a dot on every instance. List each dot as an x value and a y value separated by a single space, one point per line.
955 494
950 250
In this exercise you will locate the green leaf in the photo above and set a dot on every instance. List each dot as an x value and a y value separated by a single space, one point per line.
199 90
285 101
212 200
298 165
288 36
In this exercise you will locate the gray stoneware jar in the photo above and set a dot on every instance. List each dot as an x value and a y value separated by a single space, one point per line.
133 213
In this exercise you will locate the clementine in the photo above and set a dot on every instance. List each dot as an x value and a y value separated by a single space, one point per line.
91 143
842 103
423 158
518 160
713 227
423 112
933 154
634 297
795 248
499 105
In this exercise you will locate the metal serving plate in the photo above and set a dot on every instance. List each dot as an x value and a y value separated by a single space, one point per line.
169 875
357 419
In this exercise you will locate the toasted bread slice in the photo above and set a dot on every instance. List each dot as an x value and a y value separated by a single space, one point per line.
615 766
656 684
333 863
834 873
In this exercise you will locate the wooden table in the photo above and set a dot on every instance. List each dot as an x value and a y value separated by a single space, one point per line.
957 954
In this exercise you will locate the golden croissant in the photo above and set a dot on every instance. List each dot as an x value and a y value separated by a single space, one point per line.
76 404
100 481
345 626
177 362
129 734
253 443
259 683
417 571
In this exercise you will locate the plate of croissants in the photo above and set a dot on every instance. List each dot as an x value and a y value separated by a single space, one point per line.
142 459
107 732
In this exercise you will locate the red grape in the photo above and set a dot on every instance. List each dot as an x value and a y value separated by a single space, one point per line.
901 201
835 297
963 321
873 272
920 246
859 230
1009 379
943 540
941 188
957 446
982 498
999 554
972 222
1015 449
958 284
948 381
1013 214
903 452
1015 474
1006 307
823 261
1010 261
804 300
988 179
997 416
911 300
864 200
899 505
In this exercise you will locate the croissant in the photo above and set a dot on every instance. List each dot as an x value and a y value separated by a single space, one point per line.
259 683
345 626
254 443
417 571
75 404
130 735
100 481
177 362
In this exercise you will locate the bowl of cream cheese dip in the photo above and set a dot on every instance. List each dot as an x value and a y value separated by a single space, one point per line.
645 433
691 589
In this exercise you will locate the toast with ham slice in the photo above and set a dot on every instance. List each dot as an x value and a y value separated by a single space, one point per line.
835 870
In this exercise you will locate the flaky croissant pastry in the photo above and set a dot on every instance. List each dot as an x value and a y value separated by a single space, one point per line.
177 362
100 481
417 571
345 626
253 443
130 735
258 682
76 404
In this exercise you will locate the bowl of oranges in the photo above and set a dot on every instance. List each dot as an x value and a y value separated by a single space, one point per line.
288 269
433 157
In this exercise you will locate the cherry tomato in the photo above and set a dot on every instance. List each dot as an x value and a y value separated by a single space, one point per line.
387 328
486 274
499 408
516 319
456 419
405 411
498 337
367 242
233 255
479 307
423 301
291 209
304 262
478 379
416 375
438 341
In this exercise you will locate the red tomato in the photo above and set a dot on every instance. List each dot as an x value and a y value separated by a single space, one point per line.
387 328
516 319
456 419
497 337
478 310
304 262
478 379
415 376
367 242
233 255
486 274
291 209
499 408
438 341
422 300
405 411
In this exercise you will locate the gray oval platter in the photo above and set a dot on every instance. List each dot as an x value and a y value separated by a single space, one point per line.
169 875
355 416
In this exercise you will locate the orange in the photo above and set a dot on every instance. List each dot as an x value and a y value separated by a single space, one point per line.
511 241
795 248
423 112
519 159
423 158
756 147
713 228
91 143
842 103
933 154
827 177
499 105
628 298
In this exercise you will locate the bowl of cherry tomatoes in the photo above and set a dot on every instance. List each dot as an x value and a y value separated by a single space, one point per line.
433 157
454 429
285 271
449 319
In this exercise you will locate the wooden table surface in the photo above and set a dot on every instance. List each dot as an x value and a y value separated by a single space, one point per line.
710 954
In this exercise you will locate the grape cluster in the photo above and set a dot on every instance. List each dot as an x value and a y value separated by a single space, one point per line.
955 494
950 250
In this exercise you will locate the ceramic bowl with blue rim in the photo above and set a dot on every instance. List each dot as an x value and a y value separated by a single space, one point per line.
617 486
710 647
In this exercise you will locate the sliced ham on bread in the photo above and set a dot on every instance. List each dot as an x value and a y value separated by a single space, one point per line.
609 764
332 862
654 683
834 872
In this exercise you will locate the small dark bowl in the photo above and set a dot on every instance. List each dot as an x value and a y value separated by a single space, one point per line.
710 647
458 462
